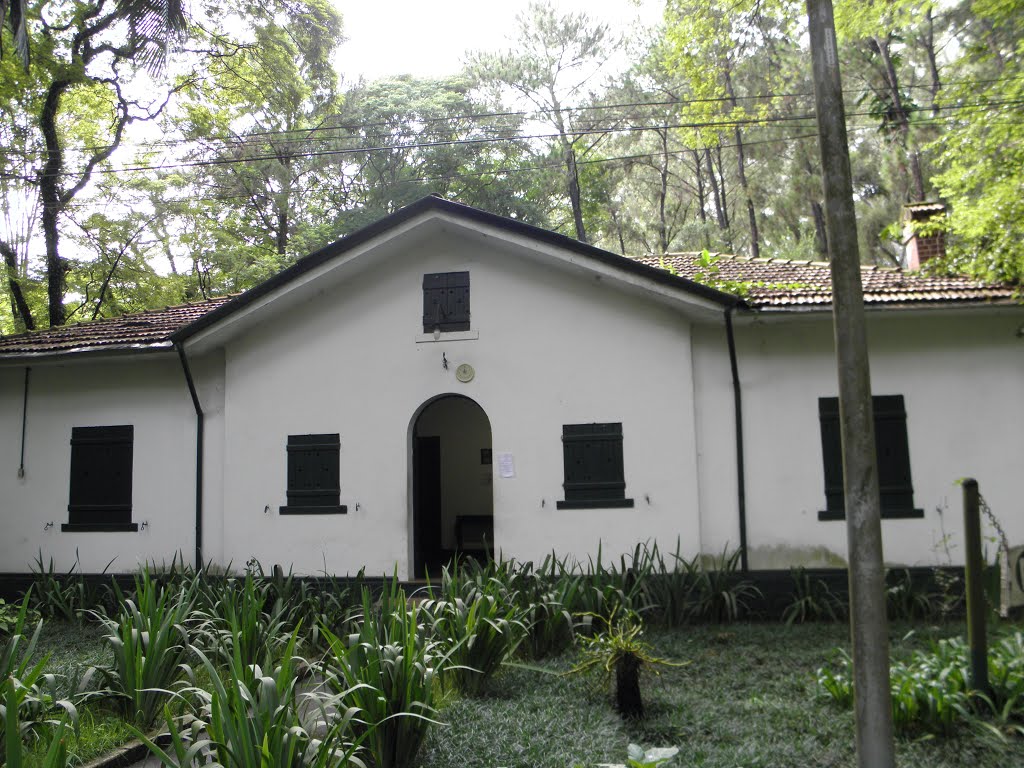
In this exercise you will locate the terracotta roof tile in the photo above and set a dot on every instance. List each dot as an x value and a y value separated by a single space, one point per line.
150 329
780 283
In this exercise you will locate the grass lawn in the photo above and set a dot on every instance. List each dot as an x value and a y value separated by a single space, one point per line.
748 699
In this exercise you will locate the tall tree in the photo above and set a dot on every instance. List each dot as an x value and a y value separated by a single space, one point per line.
554 66
81 101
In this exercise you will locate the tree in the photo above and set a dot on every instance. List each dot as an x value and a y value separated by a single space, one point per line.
553 66
981 154
78 97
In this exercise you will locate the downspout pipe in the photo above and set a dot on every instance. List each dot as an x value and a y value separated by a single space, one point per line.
199 452
737 397
24 423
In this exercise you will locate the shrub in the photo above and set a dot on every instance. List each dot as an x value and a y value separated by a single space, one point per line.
812 600
27 695
252 718
386 673
150 643
619 651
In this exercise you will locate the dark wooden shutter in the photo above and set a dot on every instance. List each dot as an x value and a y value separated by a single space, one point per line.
832 453
893 453
446 301
101 475
893 457
593 462
314 470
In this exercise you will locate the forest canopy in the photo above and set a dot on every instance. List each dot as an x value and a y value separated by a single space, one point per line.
143 166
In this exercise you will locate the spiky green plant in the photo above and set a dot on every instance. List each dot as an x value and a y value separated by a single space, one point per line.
244 616
812 600
386 672
259 719
28 699
619 652
150 644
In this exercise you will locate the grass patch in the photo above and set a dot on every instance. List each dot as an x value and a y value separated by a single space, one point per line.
748 698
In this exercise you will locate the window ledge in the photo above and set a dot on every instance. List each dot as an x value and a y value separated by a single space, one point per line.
595 504
99 527
887 514
428 338
336 509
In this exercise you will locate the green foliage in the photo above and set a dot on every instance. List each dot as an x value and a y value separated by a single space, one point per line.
907 598
253 719
150 644
480 625
812 600
386 672
619 650
27 693
931 691
11 618
69 596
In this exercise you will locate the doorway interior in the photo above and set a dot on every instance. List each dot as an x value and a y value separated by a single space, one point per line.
453 500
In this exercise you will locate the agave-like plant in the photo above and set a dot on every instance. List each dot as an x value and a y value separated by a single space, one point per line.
151 646
28 700
480 624
255 718
243 617
387 671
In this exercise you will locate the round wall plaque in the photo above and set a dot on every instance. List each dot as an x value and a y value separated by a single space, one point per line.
465 373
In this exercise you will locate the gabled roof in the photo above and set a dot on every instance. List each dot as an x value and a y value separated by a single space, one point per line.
150 330
788 284
468 214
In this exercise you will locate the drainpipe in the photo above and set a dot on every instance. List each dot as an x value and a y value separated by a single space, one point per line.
737 396
24 421
199 453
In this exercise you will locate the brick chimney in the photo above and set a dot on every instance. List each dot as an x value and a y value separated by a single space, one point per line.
919 246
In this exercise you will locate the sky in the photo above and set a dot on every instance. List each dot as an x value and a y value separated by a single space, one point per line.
430 39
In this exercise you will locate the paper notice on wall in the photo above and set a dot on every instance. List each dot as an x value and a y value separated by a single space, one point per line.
506 465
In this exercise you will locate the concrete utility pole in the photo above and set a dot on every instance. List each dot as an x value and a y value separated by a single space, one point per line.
868 625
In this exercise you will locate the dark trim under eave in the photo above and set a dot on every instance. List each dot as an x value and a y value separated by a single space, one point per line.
737 397
467 213
199 454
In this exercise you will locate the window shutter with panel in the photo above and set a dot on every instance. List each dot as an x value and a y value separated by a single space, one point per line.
446 301
314 484
593 466
100 494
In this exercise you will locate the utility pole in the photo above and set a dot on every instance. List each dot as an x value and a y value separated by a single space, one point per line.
868 625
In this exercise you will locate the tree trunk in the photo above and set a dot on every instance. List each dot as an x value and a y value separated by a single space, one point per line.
663 194
720 213
820 237
627 687
701 198
902 119
573 179
23 320
49 193
755 239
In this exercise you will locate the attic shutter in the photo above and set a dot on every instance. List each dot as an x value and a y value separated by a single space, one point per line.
101 476
446 301
313 471
592 455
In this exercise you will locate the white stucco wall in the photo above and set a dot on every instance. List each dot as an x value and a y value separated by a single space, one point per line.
961 375
555 347
148 393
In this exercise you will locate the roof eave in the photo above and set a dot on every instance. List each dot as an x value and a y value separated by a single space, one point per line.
91 354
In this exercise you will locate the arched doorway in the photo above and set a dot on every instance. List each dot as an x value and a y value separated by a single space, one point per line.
452 495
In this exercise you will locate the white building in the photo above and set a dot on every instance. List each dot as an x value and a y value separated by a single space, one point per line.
447 377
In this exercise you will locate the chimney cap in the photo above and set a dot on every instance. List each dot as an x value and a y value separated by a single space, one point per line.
922 210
